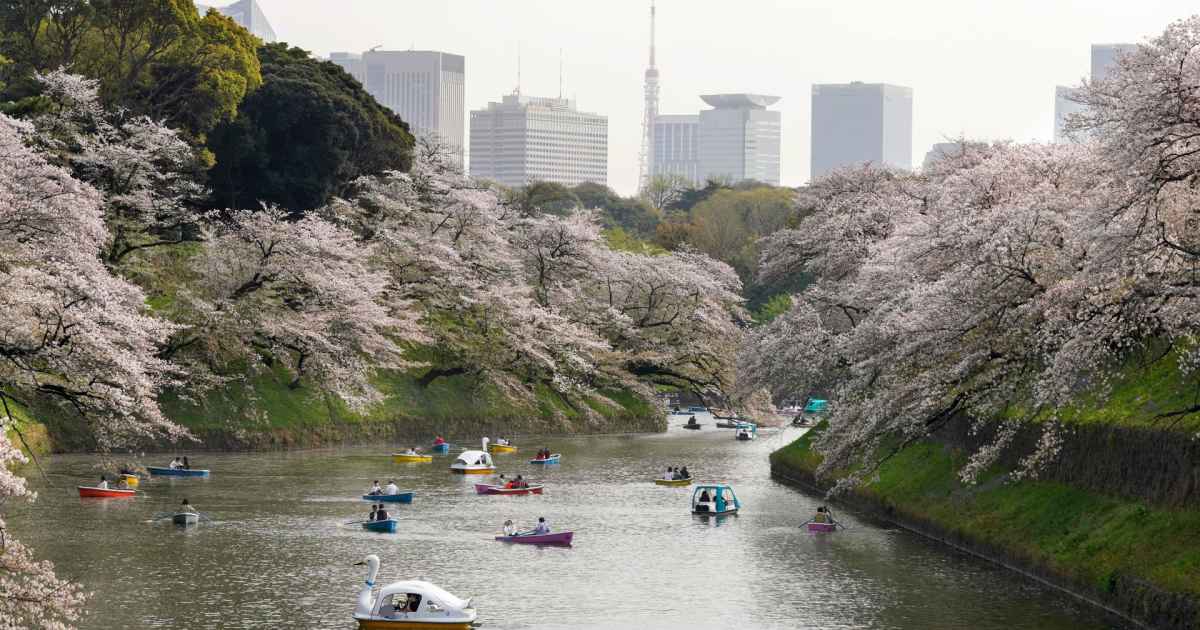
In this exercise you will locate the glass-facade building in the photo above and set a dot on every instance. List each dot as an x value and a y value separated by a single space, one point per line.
425 88
739 138
859 123
247 14
676 143
524 139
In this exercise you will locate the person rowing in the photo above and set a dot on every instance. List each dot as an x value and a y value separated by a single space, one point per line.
375 489
381 514
392 488
509 528
542 528
412 450
439 441
669 475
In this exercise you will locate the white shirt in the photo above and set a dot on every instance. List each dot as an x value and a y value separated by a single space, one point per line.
542 528
175 464
509 530
668 475
391 489
375 489
103 485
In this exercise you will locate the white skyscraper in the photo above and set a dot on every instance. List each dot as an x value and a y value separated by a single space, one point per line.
676 148
739 138
247 14
426 89
1104 61
523 139
858 123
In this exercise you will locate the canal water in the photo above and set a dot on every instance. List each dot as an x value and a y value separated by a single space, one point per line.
278 554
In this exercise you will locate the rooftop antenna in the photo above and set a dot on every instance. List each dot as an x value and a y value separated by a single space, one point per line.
649 113
560 74
517 91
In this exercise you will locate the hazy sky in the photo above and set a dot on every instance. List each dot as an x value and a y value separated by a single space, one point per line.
986 69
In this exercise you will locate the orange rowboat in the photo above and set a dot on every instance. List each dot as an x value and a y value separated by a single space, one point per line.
103 493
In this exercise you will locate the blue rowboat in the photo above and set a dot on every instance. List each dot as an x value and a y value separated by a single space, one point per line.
177 472
403 497
553 459
383 527
442 448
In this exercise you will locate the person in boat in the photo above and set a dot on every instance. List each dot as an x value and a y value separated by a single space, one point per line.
175 464
374 510
187 507
821 516
439 441
501 442
692 420
542 528
186 464
391 488
704 497
103 485
482 461
510 529
381 514
375 488
669 475
684 474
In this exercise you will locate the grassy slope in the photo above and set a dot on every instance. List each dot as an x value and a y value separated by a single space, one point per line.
1080 534
267 403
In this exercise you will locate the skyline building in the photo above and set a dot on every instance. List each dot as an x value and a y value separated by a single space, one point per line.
856 123
739 138
247 14
676 148
425 88
524 139
1104 60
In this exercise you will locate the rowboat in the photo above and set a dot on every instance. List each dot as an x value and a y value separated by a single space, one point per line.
403 497
483 488
727 424
183 519
442 448
675 483
410 604
553 459
415 458
502 448
557 538
695 426
387 526
822 527
104 493
131 481
177 472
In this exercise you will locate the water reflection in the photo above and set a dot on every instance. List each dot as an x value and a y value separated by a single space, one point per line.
279 552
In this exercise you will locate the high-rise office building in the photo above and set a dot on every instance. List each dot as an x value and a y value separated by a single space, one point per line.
1104 61
739 138
523 139
248 15
1105 56
426 89
855 123
676 148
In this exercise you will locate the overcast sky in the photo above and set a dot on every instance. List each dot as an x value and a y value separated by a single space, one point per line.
983 68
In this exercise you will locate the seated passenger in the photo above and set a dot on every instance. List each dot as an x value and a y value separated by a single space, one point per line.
439 441
820 516
391 488
186 464
510 529
414 602
684 474
669 475
412 450
375 489
103 485
542 527
381 514
371 516
175 464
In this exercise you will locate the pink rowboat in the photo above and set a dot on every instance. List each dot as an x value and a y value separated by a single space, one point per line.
100 493
483 488
822 527
557 538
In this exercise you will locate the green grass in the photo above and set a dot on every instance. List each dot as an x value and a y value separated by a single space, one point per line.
1087 536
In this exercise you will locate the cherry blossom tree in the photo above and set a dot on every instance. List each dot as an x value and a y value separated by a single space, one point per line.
73 335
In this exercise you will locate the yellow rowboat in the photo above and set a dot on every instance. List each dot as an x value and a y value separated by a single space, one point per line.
502 448
404 458
131 481
676 483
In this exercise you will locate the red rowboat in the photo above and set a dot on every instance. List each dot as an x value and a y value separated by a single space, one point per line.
483 488
104 493
557 538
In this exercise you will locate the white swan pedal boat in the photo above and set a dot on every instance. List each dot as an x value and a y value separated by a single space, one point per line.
409 604
474 462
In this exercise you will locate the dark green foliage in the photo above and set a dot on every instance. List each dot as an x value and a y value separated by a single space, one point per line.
304 136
